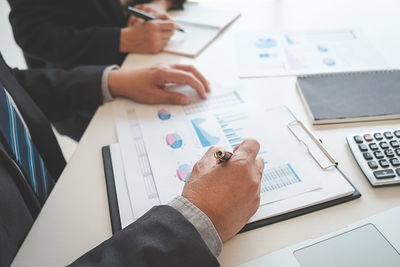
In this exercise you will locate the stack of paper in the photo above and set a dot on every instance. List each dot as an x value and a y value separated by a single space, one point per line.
159 144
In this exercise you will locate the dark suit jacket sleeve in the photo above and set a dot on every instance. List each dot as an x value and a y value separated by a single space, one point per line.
176 4
61 93
53 31
161 237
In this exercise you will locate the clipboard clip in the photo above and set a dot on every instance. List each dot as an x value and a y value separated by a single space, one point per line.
333 161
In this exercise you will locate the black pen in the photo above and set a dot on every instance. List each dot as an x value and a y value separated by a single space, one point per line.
144 15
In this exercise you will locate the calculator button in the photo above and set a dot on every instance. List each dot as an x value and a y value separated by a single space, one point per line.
398 171
378 136
383 145
367 156
394 143
379 155
372 164
368 137
397 133
363 147
373 146
389 153
358 139
384 174
388 135
384 163
395 162
397 151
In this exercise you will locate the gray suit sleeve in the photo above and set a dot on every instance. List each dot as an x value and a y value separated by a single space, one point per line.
200 221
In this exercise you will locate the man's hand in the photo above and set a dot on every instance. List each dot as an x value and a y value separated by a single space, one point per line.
147 85
146 37
228 193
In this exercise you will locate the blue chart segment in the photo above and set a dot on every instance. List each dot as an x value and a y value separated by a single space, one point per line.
278 177
322 48
183 172
263 155
174 140
265 43
230 123
264 55
291 40
163 114
205 138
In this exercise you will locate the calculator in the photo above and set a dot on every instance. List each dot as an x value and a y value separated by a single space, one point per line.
378 155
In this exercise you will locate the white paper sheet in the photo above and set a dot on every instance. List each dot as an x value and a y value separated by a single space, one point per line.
292 180
138 175
201 24
124 202
190 43
305 52
176 137
203 15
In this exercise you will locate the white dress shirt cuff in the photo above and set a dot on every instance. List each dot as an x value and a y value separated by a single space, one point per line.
200 221
104 83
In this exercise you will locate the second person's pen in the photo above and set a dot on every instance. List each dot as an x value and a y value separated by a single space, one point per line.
144 15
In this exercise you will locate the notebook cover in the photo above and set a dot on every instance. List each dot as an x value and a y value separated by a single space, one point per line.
116 220
354 96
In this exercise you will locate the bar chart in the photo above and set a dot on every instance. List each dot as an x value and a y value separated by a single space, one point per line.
231 124
278 177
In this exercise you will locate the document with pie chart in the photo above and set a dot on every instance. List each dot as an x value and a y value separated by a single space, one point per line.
160 144
305 52
176 137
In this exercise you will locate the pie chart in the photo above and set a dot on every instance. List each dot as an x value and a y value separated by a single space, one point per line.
329 62
163 114
184 172
174 140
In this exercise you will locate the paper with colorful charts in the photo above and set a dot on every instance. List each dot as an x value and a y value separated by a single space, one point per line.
305 52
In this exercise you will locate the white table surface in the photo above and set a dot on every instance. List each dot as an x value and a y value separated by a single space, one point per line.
76 218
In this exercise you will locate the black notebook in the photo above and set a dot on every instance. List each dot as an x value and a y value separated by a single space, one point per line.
351 97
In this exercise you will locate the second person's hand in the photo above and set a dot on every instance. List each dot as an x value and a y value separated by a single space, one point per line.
146 85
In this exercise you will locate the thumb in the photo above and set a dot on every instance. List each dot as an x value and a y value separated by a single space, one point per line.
174 98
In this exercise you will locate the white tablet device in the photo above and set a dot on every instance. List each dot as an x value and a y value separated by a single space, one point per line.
374 241
363 246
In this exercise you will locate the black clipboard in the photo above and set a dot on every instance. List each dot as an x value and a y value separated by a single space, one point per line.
116 221
356 194
111 190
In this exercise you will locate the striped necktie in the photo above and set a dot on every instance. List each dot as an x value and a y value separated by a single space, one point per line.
24 152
